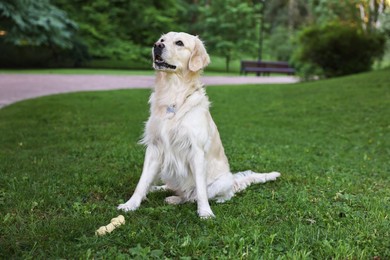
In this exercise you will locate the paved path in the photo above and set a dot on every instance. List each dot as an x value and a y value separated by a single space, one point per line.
16 87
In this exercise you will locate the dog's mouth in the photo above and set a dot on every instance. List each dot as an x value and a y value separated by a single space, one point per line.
161 63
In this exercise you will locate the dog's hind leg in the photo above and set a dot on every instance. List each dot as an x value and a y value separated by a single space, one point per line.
221 189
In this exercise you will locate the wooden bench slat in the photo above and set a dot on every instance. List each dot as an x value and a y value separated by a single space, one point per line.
286 70
266 67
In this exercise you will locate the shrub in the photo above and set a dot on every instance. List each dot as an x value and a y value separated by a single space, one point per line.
336 49
29 56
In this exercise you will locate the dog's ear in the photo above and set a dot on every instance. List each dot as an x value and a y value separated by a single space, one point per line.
199 58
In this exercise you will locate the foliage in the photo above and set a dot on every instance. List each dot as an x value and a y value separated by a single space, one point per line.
385 23
145 21
280 44
41 56
289 14
292 16
338 49
325 11
122 30
36 23
229 28
371 12
38 34
119 31
74 157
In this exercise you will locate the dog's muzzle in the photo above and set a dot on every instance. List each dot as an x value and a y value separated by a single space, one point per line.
160 63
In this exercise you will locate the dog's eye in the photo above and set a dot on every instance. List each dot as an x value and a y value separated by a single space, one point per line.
179 43
162 40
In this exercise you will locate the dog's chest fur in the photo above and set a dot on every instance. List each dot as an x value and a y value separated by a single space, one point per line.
173 133
175 147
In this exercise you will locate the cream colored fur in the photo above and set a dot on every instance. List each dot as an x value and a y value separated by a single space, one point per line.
183 146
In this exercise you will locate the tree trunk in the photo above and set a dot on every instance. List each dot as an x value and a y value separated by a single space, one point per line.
227 62
292 14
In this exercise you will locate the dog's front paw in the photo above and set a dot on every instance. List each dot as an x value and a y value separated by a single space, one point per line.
206 214
130 205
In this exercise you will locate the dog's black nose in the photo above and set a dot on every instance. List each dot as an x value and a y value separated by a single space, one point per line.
159 45
158 48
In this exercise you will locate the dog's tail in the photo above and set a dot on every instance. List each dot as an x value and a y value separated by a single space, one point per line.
244 179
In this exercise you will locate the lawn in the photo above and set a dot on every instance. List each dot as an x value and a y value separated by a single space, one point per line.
67 161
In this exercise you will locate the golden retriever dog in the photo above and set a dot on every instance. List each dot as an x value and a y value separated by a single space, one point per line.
183 146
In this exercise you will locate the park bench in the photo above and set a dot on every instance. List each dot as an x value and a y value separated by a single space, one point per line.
266 67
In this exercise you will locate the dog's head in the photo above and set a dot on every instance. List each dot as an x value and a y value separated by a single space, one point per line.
178 51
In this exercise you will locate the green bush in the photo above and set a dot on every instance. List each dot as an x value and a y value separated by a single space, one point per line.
336 49
29 56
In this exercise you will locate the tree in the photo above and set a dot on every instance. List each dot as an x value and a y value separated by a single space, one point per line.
123 30
369 13
230 27
282 20
290 14
35 23
286 18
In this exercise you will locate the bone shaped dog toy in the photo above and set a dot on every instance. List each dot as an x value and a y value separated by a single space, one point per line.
115 222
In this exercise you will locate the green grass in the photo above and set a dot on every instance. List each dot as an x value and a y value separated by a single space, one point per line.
66 161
